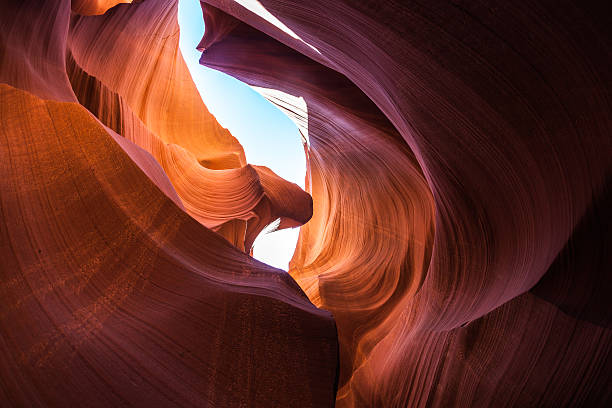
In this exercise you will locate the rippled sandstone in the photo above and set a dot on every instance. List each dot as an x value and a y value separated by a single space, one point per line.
115 292
460 156
459 163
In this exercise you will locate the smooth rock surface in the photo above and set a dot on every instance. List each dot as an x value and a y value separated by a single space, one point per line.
477 277
114 291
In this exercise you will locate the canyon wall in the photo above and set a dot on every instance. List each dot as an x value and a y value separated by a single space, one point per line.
114 175
455 247
461 157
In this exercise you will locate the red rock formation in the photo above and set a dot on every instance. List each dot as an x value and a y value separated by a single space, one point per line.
460 161
112 294
507 110
368 239
159 108
94 7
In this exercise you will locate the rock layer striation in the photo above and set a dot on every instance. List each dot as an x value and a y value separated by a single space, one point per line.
114 175
460 156
457 219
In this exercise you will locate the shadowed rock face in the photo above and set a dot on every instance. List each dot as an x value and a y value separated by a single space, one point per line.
459 163
461 158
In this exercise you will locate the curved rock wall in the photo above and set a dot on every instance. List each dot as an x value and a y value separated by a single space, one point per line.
159 108
501 299
113 295
459 162
367 247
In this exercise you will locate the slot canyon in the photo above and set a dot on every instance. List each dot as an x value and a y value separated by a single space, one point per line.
455 244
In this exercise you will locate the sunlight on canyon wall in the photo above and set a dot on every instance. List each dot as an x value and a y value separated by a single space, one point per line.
454 248
116 291
266 135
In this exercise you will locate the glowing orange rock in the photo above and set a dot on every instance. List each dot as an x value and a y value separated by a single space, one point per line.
159 108
94 7
112 294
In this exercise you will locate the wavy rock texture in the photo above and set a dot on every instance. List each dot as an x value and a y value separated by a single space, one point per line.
114 293
368 244
461 158
159 108
94 7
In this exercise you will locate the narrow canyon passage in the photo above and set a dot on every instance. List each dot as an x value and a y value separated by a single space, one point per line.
268 136
454 213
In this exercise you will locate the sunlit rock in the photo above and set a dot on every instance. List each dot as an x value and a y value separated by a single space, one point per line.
114 290
455 247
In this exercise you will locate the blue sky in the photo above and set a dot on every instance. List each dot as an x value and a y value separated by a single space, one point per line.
268 136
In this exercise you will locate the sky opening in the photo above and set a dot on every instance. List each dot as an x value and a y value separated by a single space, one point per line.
268 136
